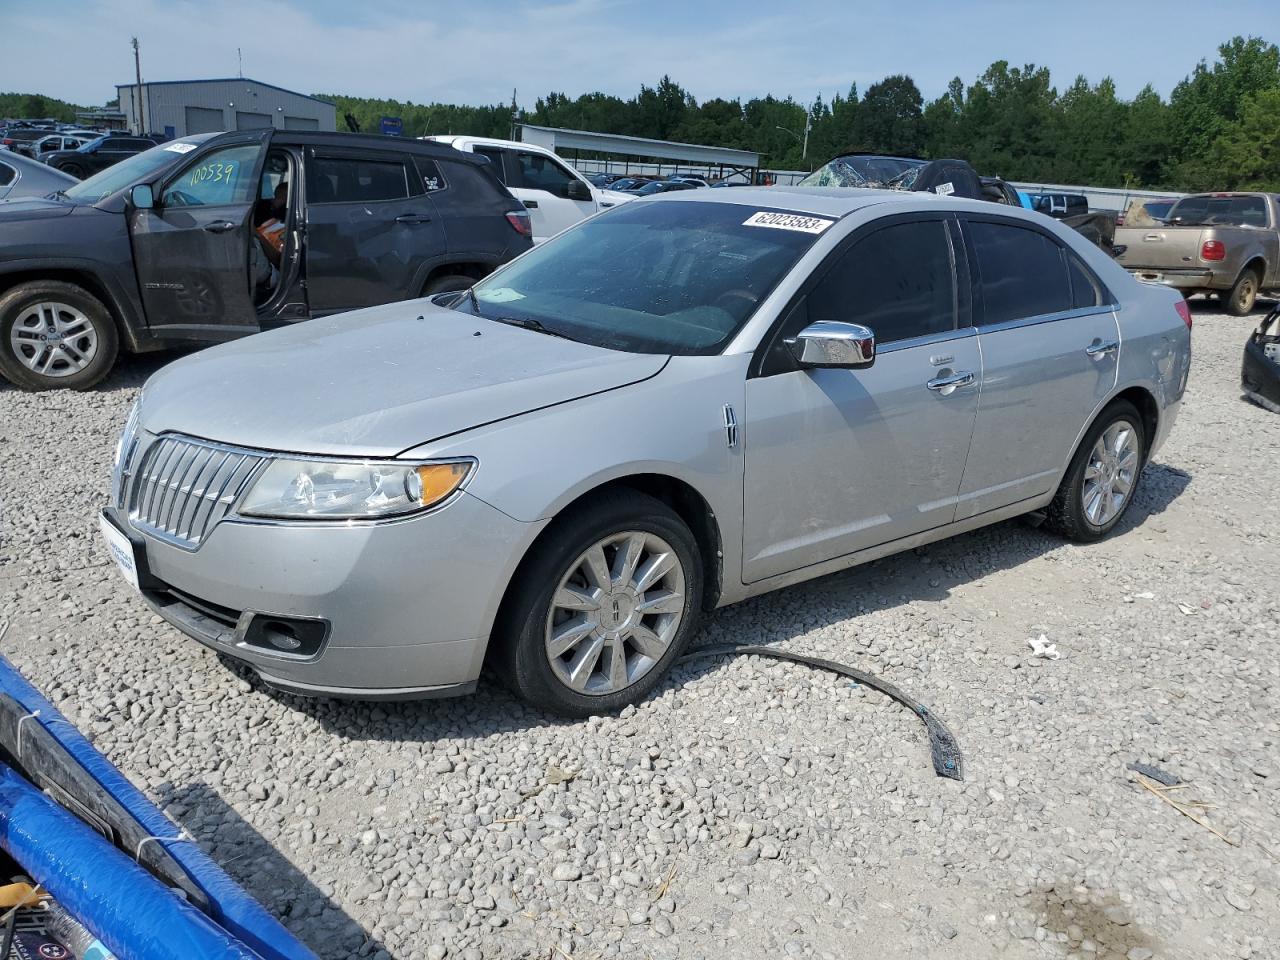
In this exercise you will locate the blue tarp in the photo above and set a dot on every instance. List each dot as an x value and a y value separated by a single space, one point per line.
108 892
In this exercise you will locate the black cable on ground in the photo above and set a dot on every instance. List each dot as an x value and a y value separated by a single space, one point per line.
945 752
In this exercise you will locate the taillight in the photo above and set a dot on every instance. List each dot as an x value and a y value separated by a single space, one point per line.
1184 311
1213 250
520 222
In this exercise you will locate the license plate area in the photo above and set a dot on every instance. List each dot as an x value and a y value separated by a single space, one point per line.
126 554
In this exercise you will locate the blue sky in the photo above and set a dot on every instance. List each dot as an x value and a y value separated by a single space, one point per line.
477 52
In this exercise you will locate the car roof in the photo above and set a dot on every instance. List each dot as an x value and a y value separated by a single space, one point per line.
375 141
839 202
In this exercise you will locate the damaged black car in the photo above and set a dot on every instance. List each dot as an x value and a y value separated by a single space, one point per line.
1260 376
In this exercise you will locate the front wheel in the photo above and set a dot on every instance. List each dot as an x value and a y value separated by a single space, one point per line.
1099 484
602 606
447 284
55 334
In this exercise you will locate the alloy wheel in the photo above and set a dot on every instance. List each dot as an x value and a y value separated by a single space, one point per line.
1110 473
615 612
53 339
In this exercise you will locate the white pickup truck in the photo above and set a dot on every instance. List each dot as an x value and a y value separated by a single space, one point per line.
556 195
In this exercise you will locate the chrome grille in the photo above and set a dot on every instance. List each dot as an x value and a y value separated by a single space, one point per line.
181 488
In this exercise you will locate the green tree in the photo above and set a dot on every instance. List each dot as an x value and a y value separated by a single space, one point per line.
889 118
1247 152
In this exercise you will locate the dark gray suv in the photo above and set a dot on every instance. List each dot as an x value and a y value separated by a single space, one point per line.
216 236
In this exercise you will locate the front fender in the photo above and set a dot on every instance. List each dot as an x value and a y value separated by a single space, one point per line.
533 466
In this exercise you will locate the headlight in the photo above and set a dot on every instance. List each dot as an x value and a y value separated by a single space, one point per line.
130 425
349 490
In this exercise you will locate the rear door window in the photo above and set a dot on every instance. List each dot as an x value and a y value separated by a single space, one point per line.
1022 272
7 174
494 156
355 180
898 281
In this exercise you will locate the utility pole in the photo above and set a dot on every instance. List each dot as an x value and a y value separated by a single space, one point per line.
137 91
514 114
239 64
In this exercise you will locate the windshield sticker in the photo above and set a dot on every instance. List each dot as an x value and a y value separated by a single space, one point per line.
499 295
787 221
946 189
179 147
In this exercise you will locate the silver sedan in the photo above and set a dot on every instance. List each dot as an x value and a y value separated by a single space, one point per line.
678 404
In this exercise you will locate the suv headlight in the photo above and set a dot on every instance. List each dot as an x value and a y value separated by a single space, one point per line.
351 490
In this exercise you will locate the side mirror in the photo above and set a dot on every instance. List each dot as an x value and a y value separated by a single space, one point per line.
831 343
577 190
141 197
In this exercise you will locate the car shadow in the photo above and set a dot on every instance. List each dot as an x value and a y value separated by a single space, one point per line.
261 869
929 573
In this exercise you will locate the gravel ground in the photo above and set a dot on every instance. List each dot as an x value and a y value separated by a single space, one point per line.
749 808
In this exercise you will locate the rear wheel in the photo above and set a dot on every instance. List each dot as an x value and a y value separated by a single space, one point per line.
453 281
1240 299
55 334
602 606
1100 483
72 168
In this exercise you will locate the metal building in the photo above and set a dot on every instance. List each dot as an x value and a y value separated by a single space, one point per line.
721 161
180 107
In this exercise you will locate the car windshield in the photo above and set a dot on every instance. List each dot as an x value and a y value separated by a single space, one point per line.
132 169
651 188
651 277
855 171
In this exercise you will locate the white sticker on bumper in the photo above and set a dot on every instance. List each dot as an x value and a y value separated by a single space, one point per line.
121 551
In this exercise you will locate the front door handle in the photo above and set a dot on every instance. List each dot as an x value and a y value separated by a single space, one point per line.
949 384
413 218
220 226
1097 350
531 204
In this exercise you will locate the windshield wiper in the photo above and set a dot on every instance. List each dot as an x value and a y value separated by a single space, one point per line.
475 302
528 323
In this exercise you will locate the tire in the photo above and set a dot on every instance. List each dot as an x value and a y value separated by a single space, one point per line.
452 281
31 312
72 169
1240 299
1068 514
530 619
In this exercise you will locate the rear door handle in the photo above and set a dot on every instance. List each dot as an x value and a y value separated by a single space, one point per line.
220 226
1098 349
948 384
413 218
531 204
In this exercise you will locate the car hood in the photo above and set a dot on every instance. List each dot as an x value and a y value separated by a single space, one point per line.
376 382
614 197
32 208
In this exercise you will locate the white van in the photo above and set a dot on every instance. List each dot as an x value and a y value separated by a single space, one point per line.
556 195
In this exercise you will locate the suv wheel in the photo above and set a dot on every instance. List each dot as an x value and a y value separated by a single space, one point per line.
602 606
55 334
73 169
453 281
1100 483
1240 299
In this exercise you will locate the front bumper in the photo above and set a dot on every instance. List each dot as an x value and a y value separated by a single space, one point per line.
1260 375
1178 279
393 610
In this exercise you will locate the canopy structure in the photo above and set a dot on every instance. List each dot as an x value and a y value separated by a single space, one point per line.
725 160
